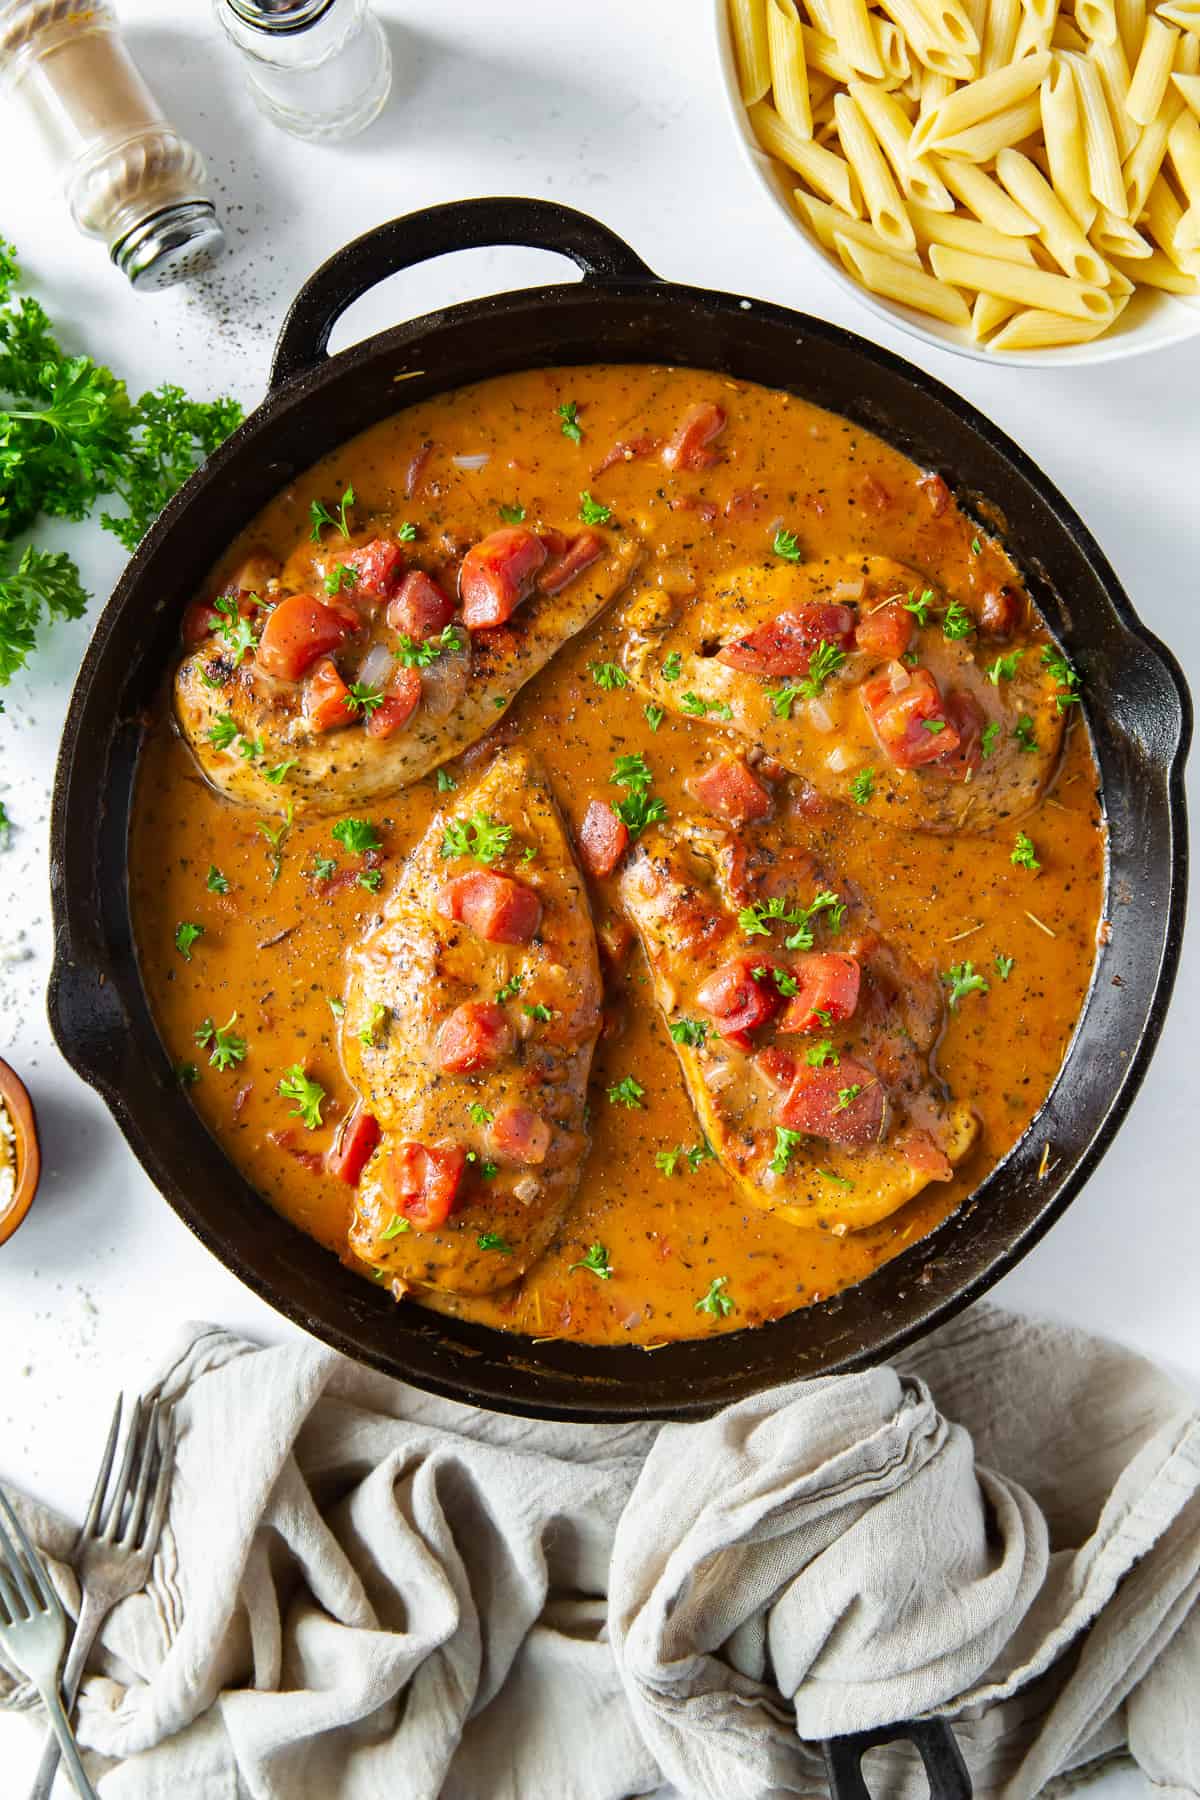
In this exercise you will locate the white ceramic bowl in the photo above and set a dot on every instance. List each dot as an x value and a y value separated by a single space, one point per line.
1151 321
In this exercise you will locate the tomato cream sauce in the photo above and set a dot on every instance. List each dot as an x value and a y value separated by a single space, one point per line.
274 943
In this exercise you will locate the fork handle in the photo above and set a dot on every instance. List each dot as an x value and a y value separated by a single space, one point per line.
66 1743
91 1617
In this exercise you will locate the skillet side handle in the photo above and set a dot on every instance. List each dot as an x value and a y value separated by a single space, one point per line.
436 231
944 1766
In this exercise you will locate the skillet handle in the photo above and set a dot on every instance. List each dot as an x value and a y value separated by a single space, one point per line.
437 230
945 1769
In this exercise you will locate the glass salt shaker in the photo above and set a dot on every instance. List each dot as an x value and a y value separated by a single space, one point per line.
321 69
128 176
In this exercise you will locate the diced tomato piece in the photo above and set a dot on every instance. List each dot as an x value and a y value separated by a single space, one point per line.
425 1179
420 609
494 907
603 838
300 630
325 698
416 467
579 555
778 1067
688 448
936 492
819 1103
731 789
518 1134
397 706
475 1036
923 1154
910 723
967 719
737 1003
626 450
875 495
746 502
378 566
885 632
828 982
355 1144
202 618
785 645
1000 612
705 510
497 574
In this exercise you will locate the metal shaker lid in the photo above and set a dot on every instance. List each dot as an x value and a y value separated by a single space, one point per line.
279 16
170 244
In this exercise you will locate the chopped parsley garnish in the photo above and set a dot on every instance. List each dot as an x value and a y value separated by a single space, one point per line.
962 979
407 532
186 1074
237 631
688 1031
370 879
593 512
337 1007
295 1085
1023 854
976 547
539 1011
595 1262
626 1092
319 516
957 622
781 699
1023 732
512 515
396 1227
225 1047
480 836
919 608
363 699
446 784
568 412
278 773
700 1153
667 1161
215 882
785 545
823 662
250 747
419 653
479 1114
862 788
841 1180
1004 668
185 936
822 1052
608 675
672 667
1066 679
275 836
716 1301
1004 965
785 1142
369 1033
847 1096
323 867
933 725
991 732
638 808
509 991
222 731
491 1240
356 835
758 919
699 709
654 716
342 575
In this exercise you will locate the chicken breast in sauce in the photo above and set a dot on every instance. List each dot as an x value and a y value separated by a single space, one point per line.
471 1016
867 680
352 672
804 1037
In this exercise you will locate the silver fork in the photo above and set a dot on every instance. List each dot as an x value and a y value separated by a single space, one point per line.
116 1545
33 1630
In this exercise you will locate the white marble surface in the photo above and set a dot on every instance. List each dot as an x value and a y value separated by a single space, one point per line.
614 108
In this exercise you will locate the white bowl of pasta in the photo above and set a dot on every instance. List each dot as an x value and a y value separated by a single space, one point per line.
1005 179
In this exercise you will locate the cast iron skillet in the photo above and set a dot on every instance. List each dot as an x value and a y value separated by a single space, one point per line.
1137 705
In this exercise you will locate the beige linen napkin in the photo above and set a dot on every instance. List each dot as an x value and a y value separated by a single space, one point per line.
364 1593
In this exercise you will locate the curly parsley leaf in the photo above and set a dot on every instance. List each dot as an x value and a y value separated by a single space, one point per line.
692 1032
225 1046
626 1092
608 675
356 835
568 413
480 836
1024 856
295 1085
962 979
593 512
716 1302
512 515
862 788
185 936
595 1262
786 546
320 516
785 1142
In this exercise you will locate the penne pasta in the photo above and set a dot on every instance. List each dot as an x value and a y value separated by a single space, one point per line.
934 89
1163 217
818 14
1000 35
854 37
988 313
880 194
977 11
917 178
748 23
822 169
789 70
1113 71
1057 230
1032 39
1152 71
826 221
1015 281
930 51
1100 145
980 101
1184 13
1119 285
982 142
1097 19
985 198
900 281
1115 236
1183 148
1037 330
1158 271
949 23
1145 161
1065 37
1131 27
893 50
967 234
821 52
1189 87
1187 55
1062 130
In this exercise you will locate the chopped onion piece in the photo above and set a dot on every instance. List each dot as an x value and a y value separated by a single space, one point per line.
375 666
847 590
898 677
819 716
479 461
839 760
527 1189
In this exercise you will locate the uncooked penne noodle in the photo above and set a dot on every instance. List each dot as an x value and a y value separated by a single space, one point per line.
1097 19
985 198
1100 145
1038 330
1184 13
988 314
1152 71
1032 38
789 71
1163 216
1016 281
748 23
880 194
826 221
822 169
982 143
917 178
900 281
1131 27
892 45
1062 131
967 234
854 36
1189 87
1158 271
1114 236
999 35
934 89
981 100
1183 149
1114 79
821 52
1056 228
930 51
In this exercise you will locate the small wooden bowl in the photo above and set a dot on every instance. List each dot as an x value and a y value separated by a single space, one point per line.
19 1108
